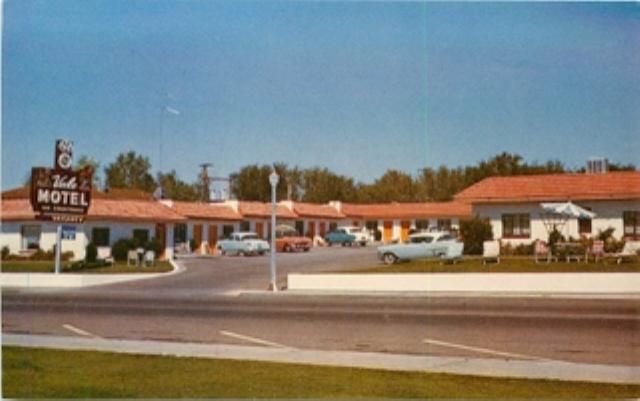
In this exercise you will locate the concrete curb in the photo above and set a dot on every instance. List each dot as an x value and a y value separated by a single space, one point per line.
71 280
526 369
501 283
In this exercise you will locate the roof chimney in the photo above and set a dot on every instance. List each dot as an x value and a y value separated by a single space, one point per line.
597 165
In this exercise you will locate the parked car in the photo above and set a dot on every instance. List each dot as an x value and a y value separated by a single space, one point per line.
243 243
339 236
361 234
289 240
422 245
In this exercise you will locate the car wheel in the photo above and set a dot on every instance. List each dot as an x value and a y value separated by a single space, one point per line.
363 243
329 243
306 249
389 258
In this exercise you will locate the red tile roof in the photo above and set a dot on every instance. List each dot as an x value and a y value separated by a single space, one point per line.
206 211
407 210
132 210
101 209
263 210
318 211
554 187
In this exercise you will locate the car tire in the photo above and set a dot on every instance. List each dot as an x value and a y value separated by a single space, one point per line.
307 249
363 243
329 243
389 258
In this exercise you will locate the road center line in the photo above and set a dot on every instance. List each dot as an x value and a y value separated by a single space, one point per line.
482 350
77 330
253 339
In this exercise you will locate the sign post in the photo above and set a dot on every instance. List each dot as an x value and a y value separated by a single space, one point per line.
61 194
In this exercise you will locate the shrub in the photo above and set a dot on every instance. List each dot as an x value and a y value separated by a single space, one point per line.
121 247
67 255
91 252
154 245
554 238
474 232
5 252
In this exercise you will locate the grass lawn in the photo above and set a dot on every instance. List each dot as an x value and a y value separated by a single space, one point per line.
507 265
40 373
48 267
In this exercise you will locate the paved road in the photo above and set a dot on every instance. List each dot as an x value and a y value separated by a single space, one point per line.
224 274
191 307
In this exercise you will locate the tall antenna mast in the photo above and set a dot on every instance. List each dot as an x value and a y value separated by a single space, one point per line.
204 177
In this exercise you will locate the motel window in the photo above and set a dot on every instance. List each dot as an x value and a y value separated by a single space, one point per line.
141 235
516 225
227 230
31 236
444 224
179 234
299 226
631 224
100 236
245 226
584 225
422 225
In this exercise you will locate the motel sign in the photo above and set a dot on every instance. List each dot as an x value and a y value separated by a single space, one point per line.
61 194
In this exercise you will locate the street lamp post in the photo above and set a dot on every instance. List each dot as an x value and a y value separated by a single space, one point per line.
273 180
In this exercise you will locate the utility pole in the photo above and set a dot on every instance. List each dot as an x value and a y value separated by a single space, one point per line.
204 177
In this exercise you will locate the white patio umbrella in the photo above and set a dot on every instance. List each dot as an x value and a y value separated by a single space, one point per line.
556 214
567 209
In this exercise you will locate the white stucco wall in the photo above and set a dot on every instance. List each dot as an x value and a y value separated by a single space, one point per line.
12 235
608 214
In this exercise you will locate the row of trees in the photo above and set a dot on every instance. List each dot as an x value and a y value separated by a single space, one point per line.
320 185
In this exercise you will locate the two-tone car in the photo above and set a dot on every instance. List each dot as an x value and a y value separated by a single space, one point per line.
421 246
361 234
243 243
289 240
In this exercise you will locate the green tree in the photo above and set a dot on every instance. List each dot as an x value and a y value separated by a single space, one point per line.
393 186
130 170
175 188
321 186
85 161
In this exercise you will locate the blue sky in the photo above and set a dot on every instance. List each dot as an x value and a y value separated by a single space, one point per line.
358 87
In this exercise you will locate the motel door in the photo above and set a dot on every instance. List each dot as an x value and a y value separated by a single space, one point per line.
404 230
387 232
323 228
312 229
260 229
213 237
197 237
161 236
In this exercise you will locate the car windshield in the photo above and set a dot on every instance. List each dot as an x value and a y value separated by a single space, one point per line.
286 233
420 239
445 237
249 237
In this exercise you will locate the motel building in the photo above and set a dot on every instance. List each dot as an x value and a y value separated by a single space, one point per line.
186 227
512 204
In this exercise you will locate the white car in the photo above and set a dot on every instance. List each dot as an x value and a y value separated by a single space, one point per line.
243 243
361 234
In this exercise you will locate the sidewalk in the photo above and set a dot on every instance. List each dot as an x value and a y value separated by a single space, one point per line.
539 369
